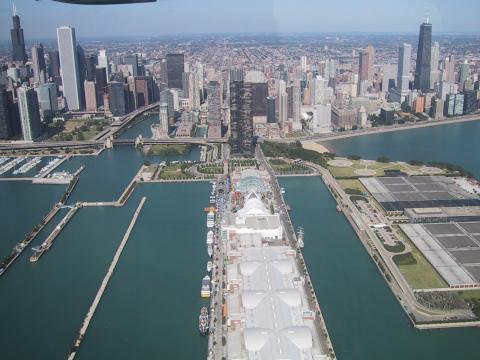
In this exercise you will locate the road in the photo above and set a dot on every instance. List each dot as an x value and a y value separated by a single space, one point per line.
379 130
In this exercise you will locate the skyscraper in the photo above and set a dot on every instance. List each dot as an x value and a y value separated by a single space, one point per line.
271 110
39 68
101 83
103 62
90 96
434 74
214 102
424 58
403 75
6 131
175 70
241 122
365 64
54 67
67 46
47 100
132 60
18 40
29 113
116 98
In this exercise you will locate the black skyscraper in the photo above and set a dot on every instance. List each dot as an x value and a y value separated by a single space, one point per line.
241 121
424 58
175 70
259 93
54 67
271 110
18 41
101 81
5 120
90 65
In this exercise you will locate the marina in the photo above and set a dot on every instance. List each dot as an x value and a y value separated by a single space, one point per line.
28 166
10 165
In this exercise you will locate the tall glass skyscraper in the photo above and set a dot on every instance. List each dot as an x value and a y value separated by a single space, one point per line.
403 75
175 70
18 40
241 122
424 58
67 47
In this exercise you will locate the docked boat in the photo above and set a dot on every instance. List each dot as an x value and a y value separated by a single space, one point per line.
300 243
210 250
28 166
209 266
282 191
210 237
339 209
205 292
210 219
203 321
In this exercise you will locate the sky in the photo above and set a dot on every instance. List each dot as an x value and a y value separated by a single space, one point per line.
41 18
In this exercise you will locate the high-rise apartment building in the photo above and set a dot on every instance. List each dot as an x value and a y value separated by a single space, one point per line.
47 100
404 64
424 58
67 46
214 102
435 72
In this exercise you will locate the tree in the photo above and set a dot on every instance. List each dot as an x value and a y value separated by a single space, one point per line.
80 136
298 144
405 107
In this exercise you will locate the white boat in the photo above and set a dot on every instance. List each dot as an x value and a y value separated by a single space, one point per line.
282 191
209 266
210 237
205 292
210 219
300 243
210 250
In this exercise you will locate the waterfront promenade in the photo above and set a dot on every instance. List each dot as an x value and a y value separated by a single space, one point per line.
320 325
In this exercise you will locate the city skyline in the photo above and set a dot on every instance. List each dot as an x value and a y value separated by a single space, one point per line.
162 18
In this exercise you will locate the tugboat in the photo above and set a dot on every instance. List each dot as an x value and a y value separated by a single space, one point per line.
203 321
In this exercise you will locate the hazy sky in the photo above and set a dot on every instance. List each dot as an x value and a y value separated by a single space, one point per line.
40 18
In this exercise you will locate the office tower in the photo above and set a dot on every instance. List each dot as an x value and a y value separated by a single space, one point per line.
259 99
470 102
271 110
6 131
296 104
448 73
322 119
82 73
143 90
67 46
90 96
282 99
54 67
329 71
101 83
303 63
29 113
236 74
365 64
116 98
463 74
424 58
163 118
214 100
241 122
103 62
39 68
132 61
47 101
90 66
175 70
18 40
404 61
186 81
435 73
390 72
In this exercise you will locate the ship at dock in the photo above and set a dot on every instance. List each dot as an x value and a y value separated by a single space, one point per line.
210 219
205 292
203 321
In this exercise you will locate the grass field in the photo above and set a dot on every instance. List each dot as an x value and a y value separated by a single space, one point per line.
378 167
173 172
352 184
421 275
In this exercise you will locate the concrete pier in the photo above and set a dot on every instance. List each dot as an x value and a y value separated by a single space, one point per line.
103 286
53 235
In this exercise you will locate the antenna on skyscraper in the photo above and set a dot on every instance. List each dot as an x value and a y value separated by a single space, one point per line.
427 12
14 8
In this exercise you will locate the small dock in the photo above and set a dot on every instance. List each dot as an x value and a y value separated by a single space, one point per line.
103 286
53 235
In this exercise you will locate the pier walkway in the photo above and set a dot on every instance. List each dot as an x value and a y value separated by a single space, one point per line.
53 235
103 286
